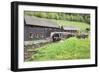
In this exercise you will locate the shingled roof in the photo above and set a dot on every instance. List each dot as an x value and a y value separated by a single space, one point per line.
32 20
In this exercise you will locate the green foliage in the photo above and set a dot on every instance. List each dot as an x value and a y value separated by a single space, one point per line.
61 16
72 48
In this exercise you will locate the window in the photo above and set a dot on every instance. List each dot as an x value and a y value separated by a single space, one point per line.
31 36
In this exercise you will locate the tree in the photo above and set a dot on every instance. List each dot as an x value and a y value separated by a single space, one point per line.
61 16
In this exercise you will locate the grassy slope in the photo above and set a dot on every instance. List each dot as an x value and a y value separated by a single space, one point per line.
71 48
82 26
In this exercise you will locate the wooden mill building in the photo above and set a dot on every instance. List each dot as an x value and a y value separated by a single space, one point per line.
38 28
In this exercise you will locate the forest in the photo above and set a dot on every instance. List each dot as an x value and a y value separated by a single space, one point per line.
61 16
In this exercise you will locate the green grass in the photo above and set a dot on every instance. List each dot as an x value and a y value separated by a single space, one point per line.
82 26
72 48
